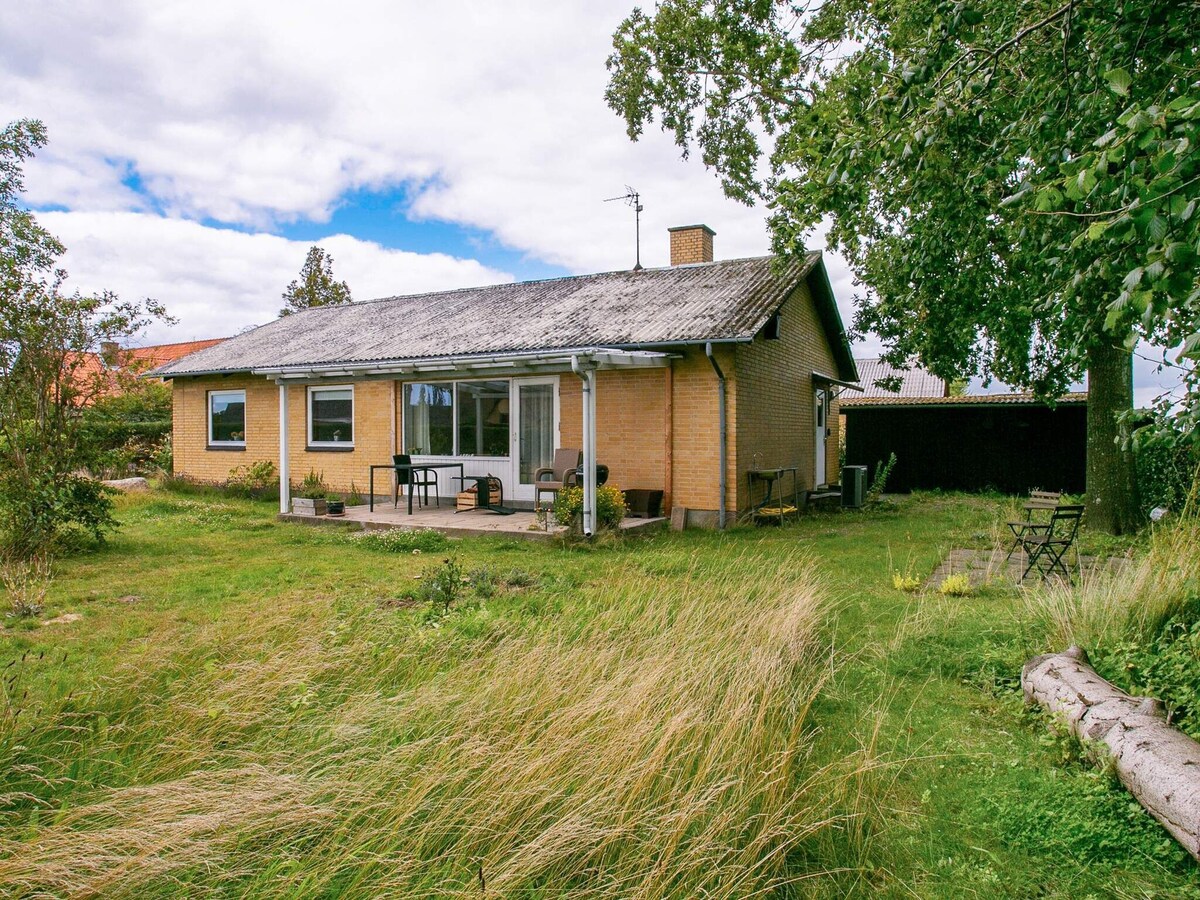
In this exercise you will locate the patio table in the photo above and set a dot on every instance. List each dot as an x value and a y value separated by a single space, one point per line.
414 467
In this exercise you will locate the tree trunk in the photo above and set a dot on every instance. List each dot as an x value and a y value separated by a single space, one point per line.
1160 765
1112 500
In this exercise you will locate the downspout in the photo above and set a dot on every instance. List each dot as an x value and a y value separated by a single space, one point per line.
708 351
588 409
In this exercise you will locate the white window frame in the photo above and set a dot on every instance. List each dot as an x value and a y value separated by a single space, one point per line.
455 448
316 389
212 395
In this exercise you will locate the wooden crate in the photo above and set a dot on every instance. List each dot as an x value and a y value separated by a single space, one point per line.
467 499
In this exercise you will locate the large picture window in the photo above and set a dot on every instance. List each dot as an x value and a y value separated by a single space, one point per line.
464 418
331 416
227 418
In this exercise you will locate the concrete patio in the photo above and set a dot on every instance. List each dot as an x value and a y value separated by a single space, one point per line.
521 524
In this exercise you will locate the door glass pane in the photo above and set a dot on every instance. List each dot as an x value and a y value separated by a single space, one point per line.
483 418
536 428
429 419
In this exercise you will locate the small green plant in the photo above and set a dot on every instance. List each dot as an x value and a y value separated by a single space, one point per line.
355 497
906 581
883 471
955 585
483 580
313 486
519 578
610 506
396 540
442 586
26 580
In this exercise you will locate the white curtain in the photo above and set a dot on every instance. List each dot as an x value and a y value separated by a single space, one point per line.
537 428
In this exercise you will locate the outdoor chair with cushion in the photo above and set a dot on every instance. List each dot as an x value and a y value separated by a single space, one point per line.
551 479
414 477
1047 550
1038 501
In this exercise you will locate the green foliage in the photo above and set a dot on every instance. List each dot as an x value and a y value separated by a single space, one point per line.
906 581
47 344
610 506
354 497
442 586
1166 668
259 479
313 486
1166 472
883 471
125 430
316 285
398 540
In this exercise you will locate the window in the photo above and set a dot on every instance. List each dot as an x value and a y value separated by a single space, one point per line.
227 418
465 418
429 419
331 416
483 418
770 331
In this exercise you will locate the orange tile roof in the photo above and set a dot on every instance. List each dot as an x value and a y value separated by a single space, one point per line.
94 377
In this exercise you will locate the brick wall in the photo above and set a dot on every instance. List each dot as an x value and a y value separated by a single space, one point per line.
372 432
775 397
630 421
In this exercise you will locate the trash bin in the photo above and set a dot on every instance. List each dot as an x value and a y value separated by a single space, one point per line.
854 486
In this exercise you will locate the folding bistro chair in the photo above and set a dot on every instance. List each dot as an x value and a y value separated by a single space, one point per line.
1047 550
414 477
1038 501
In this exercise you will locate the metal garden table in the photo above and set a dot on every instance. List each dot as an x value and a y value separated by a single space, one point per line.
414 467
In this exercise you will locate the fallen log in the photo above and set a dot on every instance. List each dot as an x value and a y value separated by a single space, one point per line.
1158 764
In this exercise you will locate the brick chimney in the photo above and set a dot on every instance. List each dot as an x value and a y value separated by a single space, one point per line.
691 244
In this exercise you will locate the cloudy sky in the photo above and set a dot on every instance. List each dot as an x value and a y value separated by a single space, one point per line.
198 149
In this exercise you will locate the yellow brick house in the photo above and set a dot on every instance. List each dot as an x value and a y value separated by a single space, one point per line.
679 379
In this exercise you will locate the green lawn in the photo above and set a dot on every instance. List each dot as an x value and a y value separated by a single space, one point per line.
255 708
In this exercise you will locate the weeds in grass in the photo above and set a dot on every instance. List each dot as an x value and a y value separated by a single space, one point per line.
906 581
26 581
398 540
955 585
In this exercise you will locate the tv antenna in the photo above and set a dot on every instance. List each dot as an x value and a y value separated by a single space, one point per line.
633 198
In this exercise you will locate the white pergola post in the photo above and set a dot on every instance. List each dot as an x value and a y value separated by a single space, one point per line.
285 482
589 457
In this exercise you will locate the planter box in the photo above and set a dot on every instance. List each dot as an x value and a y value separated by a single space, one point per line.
302 507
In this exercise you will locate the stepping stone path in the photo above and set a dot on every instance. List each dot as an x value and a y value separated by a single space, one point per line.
982 566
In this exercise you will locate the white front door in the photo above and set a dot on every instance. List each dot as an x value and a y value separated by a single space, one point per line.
534 430
820 412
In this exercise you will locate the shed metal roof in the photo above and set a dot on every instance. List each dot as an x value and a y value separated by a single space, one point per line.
719 301
914 382
885 401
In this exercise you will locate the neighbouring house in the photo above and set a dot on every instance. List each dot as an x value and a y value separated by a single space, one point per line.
1012 443
659 374
101 374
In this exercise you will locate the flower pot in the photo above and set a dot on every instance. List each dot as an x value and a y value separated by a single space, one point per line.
302 506
335 507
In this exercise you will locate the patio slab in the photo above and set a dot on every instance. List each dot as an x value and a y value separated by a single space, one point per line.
521 524
982 566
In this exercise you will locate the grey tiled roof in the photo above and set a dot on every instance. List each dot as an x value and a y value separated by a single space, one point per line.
725 300
914 382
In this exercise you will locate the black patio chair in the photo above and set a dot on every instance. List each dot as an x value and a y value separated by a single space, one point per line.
414 477
1039 501
1047 551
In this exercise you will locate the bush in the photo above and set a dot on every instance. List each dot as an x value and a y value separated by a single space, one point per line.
906 581
257 480
1168 669
610 506
1165 473
955 585
313 486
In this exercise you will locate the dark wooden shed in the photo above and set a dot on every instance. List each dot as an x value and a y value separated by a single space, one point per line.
1005 442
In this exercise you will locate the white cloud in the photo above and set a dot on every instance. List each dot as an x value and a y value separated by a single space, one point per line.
218 281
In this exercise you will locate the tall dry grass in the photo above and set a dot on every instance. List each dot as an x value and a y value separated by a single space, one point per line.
1130 602
654 744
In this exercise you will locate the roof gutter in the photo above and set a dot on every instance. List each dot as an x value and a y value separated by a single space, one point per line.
708 351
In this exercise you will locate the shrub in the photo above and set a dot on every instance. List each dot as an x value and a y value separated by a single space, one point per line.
1165 473
955 585
906 581
254 480
442 586
883 471
610 506
396 540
